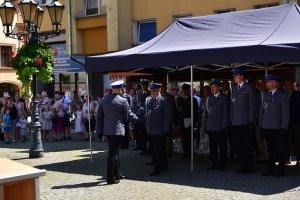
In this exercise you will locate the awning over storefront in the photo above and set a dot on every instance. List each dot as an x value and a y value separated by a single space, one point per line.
265 35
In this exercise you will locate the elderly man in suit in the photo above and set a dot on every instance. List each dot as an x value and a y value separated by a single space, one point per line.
216 119
184 118
113 112
274 117
173 113
242 116
158 127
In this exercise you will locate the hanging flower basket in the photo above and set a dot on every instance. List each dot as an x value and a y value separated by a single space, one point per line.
33 59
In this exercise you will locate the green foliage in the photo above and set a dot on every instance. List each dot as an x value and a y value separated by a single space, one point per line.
33 59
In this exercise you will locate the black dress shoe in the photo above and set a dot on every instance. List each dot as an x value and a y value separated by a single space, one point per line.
241 171
222 169
122 177
113 182
150 163
143 153
268 173
248 171
155 174
212 168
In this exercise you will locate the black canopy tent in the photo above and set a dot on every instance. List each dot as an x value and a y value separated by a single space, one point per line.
245 38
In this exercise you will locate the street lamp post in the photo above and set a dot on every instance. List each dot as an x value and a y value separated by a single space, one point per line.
32 16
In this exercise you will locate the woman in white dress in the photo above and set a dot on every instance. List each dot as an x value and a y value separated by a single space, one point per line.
79 124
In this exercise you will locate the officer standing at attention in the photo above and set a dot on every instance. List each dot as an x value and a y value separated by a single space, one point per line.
125 142
274 118
113 112
142 96
216 119
158 124
242 115
184 121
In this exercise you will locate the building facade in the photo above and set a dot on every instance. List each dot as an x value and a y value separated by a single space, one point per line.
9 84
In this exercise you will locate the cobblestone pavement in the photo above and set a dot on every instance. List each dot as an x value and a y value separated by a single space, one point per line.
71 175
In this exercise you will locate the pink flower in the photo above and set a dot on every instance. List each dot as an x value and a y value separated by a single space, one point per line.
39 61
55 52
12 54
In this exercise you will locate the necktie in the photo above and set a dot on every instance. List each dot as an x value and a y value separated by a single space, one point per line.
239 87
270 94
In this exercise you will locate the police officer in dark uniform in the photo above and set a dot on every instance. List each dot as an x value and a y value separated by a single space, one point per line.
125 142
113 112
274 117
184 118
242 116
157 123
216 119
173 113
142 96
227 92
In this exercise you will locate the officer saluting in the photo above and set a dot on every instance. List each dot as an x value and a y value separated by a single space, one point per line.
113 112
158 124
274 117
216 119
242 117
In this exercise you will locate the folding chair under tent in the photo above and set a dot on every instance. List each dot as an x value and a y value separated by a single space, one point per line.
243 38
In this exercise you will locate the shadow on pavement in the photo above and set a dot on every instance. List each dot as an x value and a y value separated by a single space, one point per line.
134 166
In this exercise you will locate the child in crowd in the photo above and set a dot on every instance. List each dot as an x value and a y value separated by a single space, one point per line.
79 123
6 125
47 115
23 127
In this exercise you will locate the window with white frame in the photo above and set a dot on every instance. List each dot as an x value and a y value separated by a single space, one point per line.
224 11
5 56
44 2
92 7
265 5
146 30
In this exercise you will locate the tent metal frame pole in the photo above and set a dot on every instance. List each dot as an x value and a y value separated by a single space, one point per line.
192 121
168 82
89 115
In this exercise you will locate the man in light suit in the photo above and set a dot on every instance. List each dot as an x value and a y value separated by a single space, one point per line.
113 112
216 119
274 118
242 116
158 127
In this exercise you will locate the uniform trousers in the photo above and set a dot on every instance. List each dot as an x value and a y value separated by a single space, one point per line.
159 152
144 138
277 148
244 146
294 131
218 143
186 142
125 142
113 162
